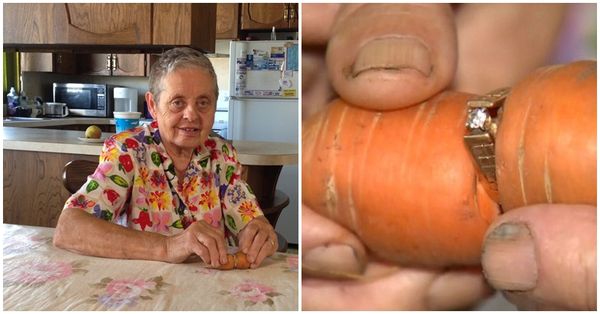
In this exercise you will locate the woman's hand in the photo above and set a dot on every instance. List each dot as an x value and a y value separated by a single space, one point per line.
201 239
258 240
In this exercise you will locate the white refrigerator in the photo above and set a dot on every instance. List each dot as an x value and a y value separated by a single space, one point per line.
263 106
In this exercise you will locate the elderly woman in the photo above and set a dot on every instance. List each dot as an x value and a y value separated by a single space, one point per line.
168 190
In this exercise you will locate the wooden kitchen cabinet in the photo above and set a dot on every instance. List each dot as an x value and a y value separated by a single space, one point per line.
33 185
263 16
184 24
120 64
77 23
136 26
129 64
227 20
63 63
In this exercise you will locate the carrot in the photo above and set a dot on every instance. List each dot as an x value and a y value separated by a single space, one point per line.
230 263
404 180
235 261
546 147
241 261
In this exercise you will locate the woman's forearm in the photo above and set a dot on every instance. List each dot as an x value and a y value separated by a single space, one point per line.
80 232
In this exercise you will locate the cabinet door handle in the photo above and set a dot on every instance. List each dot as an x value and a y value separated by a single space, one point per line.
115 63
285 12
108 62
292 12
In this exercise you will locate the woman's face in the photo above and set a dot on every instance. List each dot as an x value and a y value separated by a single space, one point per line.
186 109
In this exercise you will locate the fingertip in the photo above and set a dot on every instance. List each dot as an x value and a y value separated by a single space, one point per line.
563 238
389 56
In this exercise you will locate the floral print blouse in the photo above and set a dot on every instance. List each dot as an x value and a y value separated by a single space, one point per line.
135 185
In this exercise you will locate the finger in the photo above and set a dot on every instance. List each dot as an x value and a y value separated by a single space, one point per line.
317 20
260 239
328 249
211 245
247 236
387 287
544 256
267 249
209 237
511 27
222 249
316 88
389 56
213 239
394 291
457 290
200 250
219 237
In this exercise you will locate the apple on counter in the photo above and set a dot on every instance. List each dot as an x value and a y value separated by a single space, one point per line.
93 131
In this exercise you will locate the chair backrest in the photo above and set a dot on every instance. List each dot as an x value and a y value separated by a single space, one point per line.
75 173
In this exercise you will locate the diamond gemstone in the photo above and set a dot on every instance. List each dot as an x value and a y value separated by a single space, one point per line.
476 118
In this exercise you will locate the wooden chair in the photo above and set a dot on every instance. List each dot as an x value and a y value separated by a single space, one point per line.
76 171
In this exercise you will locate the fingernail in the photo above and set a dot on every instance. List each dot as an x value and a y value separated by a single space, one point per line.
508 260
393 54
335 261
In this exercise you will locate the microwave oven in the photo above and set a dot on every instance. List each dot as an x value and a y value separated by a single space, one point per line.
86 100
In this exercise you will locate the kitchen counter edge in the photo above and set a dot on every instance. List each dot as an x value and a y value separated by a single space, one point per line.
67 142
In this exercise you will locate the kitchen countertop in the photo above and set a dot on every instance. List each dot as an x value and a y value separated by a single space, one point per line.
45 122
67 142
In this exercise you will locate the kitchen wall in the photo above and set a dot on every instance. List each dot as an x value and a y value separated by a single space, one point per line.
40 83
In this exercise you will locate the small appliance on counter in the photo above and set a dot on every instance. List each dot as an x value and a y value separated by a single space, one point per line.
83 99
56 109
125 99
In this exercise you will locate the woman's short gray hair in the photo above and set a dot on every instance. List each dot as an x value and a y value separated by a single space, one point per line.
177 58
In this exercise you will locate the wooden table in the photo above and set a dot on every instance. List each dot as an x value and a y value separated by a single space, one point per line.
38 276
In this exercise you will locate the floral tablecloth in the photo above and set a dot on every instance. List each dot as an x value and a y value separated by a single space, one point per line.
38 276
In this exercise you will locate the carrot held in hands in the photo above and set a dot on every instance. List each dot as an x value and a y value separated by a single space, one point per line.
235 261
546 146
406 184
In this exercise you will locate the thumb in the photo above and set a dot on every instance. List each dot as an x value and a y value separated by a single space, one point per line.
390 56
544 256
328 249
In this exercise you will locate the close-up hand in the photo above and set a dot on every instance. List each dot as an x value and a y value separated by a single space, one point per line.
258 240
543 257
199 238
389 56
338 274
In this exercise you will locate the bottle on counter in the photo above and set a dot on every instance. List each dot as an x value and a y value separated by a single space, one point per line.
12 99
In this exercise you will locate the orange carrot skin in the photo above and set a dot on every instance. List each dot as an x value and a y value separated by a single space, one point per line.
230 263
546 143
402 180
242 261
405 184
235 261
